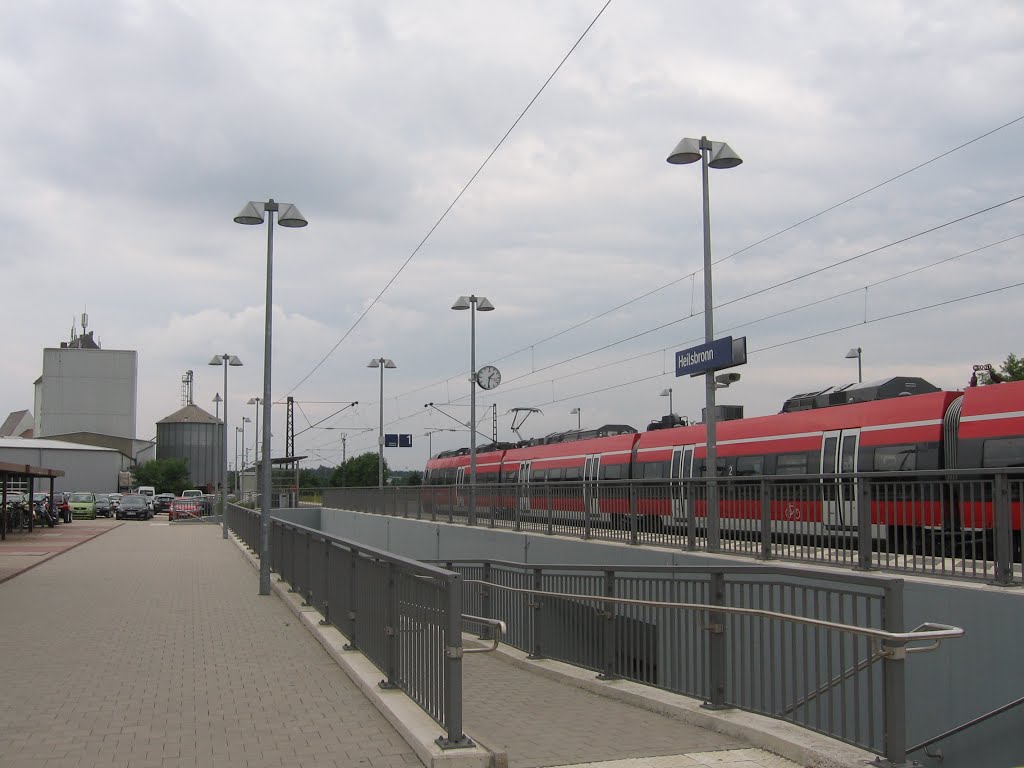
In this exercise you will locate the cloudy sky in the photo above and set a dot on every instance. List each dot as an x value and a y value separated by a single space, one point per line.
135 130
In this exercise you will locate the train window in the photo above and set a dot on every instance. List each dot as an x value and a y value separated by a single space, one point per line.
895 458
791 464
510 475
1003 452
611 472
556 473
749 465
538 476
655 469
573 473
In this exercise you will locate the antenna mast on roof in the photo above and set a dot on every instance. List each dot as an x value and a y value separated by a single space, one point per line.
186 388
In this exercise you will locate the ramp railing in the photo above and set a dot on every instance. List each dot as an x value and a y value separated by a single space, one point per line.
404 616
828 657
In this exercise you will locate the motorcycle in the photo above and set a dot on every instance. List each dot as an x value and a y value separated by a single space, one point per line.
44 514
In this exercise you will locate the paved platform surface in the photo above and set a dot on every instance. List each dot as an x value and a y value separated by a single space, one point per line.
22 549
149 646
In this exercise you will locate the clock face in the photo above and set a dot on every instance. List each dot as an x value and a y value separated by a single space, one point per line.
488 377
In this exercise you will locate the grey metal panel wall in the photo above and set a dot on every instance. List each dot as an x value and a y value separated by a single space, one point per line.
85 470
199 444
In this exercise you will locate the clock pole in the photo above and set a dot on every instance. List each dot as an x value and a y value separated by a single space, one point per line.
472 411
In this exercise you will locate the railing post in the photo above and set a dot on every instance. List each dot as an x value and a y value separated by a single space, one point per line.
587 530
455 738
390 629
766 520
634 523
894 679
326 620
516 507
536 652
485 601
1003 534
547 504
352 618
863 522
691 516
716 643
609 635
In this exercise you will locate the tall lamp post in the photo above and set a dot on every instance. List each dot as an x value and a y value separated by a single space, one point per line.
256 440
714 154
245 451
382 363
472 303
668 393
578 413
287 216
857 352
225 361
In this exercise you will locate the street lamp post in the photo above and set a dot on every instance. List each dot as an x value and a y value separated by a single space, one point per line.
287 216
217 401
472 303
714 154
578 413
668 393
382 363
245 450
256 442
858 353
224 361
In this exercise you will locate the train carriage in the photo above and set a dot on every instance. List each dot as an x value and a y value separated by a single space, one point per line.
816 454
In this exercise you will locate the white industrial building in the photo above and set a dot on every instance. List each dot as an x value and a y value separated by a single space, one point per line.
86 467
86 390
84 418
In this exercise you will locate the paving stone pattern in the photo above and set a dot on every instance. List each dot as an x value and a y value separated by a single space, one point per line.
542 722
149 646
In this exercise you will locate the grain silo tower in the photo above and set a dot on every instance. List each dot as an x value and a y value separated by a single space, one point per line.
193 434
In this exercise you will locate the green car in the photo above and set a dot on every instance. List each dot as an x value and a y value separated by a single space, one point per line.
83 505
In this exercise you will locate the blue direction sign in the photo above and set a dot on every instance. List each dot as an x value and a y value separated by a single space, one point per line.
390 440
725 352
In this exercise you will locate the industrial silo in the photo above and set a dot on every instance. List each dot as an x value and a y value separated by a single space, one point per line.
197 436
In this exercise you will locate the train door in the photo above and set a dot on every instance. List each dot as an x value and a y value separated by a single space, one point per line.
591 491
523 486
839 452
461 476
682 493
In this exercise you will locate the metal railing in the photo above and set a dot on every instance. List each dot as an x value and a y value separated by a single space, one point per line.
964 524
763 639
403 615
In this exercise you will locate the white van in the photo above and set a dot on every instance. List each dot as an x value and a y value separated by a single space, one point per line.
149 492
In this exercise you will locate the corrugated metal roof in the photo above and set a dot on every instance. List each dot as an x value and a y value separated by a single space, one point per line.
47 444
190 414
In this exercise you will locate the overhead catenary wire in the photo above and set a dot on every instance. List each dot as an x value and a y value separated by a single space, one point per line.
455 201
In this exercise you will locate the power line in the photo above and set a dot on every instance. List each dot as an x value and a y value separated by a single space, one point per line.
456 200
763 240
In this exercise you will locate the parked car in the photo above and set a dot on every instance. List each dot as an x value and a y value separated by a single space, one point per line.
148 491
134 505
83 505
103 505
162 502
191 493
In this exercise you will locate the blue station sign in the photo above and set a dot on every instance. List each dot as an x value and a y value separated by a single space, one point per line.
722 353
392 440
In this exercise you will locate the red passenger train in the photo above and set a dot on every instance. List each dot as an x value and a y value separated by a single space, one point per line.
903 424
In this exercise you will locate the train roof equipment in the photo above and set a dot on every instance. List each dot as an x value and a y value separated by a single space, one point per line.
869 391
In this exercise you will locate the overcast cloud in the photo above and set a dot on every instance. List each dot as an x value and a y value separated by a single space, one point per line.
135 131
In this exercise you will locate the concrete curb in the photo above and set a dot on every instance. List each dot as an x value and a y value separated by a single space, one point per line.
417 728
803 747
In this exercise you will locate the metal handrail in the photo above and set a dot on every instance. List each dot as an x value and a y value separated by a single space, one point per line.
497 625
964 727
932 632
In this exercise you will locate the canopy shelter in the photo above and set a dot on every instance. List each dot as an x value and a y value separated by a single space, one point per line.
11 471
